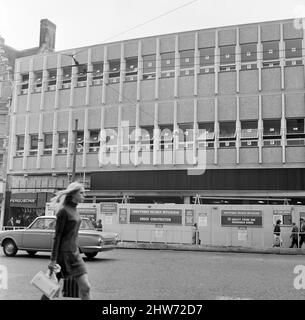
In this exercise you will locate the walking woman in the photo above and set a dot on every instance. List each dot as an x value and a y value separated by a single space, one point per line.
65 251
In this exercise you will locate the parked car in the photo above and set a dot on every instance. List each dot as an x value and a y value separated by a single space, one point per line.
38 236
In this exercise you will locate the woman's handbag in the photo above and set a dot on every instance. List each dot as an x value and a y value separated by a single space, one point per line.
47 283
70 288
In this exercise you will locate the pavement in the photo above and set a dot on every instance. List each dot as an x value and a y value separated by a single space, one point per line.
204 248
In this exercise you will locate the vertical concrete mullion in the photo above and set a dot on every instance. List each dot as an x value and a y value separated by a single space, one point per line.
73 81
158 68
238 129
13 142
216 131
260 129
282 57
175 133
177 66
156 135
89 76
122 73
216 61
31 81
59 74
44 82
70 139
102 137
283 129
40 141
237 60
196 65
137 135
86 139
140 70
26 141
259 58
55 140
195 131
118 155
105 75
303 51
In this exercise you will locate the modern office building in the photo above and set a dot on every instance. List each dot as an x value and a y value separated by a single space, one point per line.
143 105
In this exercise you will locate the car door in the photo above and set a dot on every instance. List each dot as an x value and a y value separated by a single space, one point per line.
38 235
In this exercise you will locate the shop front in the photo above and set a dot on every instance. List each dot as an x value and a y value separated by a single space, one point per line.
23 208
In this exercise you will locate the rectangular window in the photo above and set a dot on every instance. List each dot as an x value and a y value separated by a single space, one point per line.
110 140
128 138
271 50
52 74
38 79
24 83
272 128
131 69
167 64
94 141
249 129
20 145
227 55
114 70
207 57
149 67
166 137
227 130
62 142
33 144
82 71
147 138
248 52
79 141
293 48
186 134
66 77
48 142
187 62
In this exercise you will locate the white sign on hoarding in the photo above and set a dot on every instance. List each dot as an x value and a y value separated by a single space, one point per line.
108 219
242 234
203 220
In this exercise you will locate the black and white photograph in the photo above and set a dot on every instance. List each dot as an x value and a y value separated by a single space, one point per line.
152 151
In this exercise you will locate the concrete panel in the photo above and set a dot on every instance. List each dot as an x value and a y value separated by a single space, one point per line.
166 89
270 32
227 37
45 162
52 61
60 162
185 112
187 41
95 95
97 53
271 79
147 90
112 93
209 157
92 161
248 155
272 155
291 32
17 163
129 114
248 108
114 51
48 121
131 49
79 96
248 34
166 113
148 46
82 56
167 44
21 103
226 156
111 117
33 123
227 82
295 154
31 162
146 116
130 92
94 118
295 105
64 98
206 39
38 63
185 86
272 106
226 108
294 77
24 65
63 121
206 110
35 102
20 124
206 85
49 100
80 115
248 81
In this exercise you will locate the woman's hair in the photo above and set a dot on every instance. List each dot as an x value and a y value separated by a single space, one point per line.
65 196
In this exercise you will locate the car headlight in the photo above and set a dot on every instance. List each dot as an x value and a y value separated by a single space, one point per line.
100 241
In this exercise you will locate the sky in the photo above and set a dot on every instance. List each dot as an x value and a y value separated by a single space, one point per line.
84 23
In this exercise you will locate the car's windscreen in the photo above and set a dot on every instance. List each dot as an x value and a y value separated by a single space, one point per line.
86 225
43 223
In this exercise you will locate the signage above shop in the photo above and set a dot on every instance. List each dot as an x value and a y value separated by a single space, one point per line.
23 200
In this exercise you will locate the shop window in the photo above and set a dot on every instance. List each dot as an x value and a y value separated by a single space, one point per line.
82 71
37 81
149 67
48 143
114 71
24 83
272 133
131 71
147 138
33 144
167 64
20 145
271 54
66 77
52 79
97 73
187 62
62 142
94 141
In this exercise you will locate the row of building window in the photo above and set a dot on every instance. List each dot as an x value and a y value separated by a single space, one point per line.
227 59
205 135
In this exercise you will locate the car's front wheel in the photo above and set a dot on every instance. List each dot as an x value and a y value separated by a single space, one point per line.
91 254
9 248
31 253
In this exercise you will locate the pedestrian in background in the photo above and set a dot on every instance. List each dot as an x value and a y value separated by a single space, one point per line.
65 251
99 225
277 234
294 235
302 233
195 236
